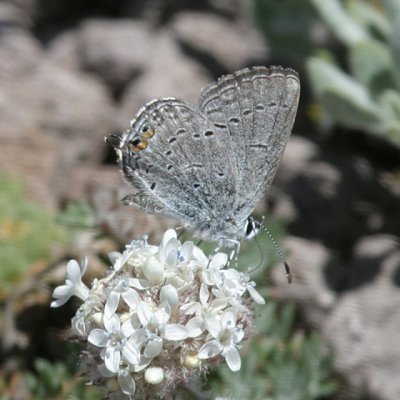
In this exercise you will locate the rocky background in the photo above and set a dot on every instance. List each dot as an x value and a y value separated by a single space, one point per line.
72 72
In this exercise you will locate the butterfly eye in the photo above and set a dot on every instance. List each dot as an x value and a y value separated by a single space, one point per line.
145 128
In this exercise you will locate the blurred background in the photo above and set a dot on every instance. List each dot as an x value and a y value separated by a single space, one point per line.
72 72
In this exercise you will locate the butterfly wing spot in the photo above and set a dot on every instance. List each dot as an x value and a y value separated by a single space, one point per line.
260 107
169 167
194 166
138 144
196 135
234 120
168 153
152 186
180 131
220 174
149 133
208 133
196 185
247 112
258 146
172 140
221 126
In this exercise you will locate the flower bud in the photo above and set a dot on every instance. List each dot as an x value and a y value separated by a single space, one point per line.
154 375
153 270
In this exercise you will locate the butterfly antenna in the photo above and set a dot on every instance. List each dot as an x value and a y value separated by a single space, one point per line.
279 251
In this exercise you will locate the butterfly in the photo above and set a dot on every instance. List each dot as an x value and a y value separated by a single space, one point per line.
208 166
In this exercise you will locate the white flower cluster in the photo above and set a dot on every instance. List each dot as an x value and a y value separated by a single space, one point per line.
161 314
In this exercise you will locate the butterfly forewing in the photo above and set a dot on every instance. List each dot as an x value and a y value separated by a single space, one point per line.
174 169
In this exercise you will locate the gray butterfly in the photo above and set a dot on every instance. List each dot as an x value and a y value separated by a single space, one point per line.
209 166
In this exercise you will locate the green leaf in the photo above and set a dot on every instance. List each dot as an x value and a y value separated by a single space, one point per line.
343 98
392 8
371 64
342 25
371 17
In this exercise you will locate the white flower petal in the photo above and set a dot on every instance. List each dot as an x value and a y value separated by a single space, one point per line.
73 271
218 261
172 258
139 337
228 318
59 302
199 255
144 312
232 358
163 313
98 337
169 294
144 362
204 294
175 332
111 304
112 359
255 295
127 328
210 349
218 304
131 297
114 256
62 291
191 308
168 235
187 250
153 348
126 383
131 352
212 324
237 335
141 284
111 323
195 326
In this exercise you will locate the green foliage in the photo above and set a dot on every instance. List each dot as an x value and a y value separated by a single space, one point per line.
368 97
57 381
287 26
277 364
28 233
77 216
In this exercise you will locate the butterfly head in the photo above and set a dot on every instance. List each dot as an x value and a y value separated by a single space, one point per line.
251 228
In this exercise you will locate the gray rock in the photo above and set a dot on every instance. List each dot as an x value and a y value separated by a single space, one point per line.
115 51
308 261
63 50
57 117
362 329
232 44
12 17
168 74
42 96
35 158
359 324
